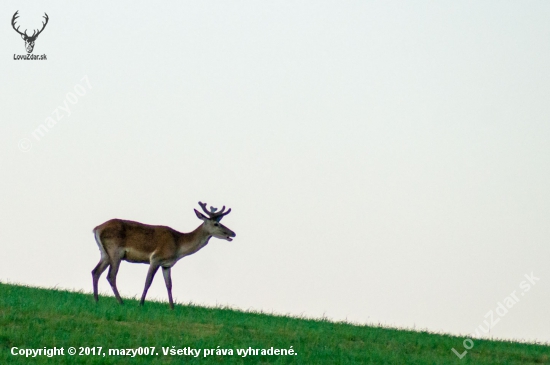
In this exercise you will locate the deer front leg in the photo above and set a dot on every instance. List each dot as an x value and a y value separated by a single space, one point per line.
168 282
150 274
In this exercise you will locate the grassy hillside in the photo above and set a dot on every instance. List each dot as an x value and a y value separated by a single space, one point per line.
32 318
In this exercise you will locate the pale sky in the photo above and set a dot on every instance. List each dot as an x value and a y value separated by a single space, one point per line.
385 162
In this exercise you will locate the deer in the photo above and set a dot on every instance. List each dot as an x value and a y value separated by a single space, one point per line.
158 246
29 40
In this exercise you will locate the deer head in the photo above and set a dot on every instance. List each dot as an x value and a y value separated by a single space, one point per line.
212 222
29 40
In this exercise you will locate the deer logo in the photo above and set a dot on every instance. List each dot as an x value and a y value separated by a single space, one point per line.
29 40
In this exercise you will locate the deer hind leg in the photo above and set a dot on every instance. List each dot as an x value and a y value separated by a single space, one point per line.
111 276
96 273
104 262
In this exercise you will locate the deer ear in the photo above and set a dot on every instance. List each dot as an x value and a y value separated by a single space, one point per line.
23 36
200 215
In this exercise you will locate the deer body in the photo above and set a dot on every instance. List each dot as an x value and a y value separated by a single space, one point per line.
158 246
142 243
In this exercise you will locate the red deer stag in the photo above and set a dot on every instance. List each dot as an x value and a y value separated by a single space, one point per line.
158 246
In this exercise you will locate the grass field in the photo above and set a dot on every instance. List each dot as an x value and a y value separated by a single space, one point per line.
32 318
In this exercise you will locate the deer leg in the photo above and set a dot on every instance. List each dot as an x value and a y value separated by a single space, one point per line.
111 277
96 273
168 282
150 274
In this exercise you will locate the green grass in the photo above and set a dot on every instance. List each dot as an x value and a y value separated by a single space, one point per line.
38 318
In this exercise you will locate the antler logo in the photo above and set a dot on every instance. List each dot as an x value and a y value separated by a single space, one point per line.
29 40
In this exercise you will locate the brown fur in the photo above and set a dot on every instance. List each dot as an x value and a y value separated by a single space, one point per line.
158 246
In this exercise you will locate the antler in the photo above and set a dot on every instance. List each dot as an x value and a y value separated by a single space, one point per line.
15 16
34 33
43 26
213 213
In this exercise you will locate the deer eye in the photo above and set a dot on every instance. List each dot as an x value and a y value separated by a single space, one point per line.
216 224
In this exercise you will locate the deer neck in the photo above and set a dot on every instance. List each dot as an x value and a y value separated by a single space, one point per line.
191 242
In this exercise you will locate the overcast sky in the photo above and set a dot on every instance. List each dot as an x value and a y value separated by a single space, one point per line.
385 162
